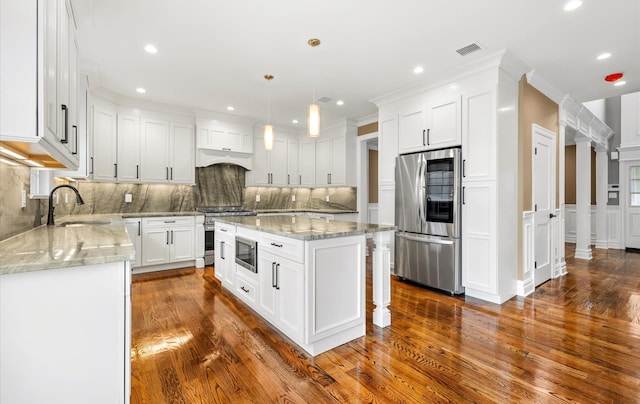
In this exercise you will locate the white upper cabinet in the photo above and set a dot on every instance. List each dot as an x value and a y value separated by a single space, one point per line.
307 163
270 166
224 136
103 162
37 59
155 150
335 155
429 121
293 172
182 154
128 148
479 135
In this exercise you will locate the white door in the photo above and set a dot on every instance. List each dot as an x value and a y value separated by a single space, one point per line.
632 240
182 243
128 148
182 154
544 174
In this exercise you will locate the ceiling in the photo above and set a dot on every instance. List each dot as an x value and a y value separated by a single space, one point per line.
212 54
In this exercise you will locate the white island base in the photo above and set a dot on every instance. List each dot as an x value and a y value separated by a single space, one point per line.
311 288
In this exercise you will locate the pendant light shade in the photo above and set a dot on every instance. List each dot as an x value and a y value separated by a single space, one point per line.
268 128
268 137
314 120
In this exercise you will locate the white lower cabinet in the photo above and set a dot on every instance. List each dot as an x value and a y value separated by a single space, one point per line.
65 335
168 239
313 291
225 254
134 228
281 293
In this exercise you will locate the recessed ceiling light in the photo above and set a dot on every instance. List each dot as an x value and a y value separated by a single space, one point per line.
619 83
418 69
141 90
151 49
572 5
230 108
604 56
339 102
294 121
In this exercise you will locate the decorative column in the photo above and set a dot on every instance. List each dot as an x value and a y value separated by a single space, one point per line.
382 278
560 264
602 181
583 197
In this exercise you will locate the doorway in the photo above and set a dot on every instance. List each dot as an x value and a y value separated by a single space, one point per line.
368 178
544 200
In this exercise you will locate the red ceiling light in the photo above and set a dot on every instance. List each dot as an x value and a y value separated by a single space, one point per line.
613 77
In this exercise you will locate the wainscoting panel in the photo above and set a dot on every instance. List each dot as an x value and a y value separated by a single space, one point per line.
614 225
526 285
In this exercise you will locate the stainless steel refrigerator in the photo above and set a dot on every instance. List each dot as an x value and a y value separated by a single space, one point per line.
428 209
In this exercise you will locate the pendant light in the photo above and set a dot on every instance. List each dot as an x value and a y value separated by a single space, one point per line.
314 109
268 128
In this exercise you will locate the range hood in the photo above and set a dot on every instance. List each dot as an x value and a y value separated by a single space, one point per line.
207 157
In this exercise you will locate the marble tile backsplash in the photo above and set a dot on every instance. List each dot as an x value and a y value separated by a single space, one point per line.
13 218
216 185
341 198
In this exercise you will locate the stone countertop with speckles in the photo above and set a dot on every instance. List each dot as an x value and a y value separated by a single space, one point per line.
329 211
74 240
304 228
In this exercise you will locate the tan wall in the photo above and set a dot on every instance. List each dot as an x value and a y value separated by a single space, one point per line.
533 107
373 176
570 175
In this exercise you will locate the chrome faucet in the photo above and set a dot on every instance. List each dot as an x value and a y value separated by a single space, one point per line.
79 201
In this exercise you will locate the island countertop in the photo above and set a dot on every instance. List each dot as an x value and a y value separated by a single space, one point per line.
304 228
64 246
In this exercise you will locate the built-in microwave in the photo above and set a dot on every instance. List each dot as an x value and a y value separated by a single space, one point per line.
247 253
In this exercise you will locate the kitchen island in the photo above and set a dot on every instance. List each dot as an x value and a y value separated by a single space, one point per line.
308 278
65 312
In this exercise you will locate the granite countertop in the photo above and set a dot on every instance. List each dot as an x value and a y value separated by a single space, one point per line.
53 247
159 214
329 211
304 228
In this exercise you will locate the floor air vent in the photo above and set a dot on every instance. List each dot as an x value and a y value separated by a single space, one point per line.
465 50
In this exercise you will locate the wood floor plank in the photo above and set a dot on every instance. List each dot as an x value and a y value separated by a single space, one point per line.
576 339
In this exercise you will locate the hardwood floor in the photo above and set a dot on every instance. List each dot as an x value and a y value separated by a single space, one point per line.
576 339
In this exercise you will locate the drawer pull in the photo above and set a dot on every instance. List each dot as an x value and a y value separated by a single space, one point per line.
223 230
244 290
276 245
169 221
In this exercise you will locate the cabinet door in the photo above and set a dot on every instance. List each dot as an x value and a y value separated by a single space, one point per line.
289 289
278 162
445 123
479 136
104 144
479 266
229 251
266 285
74 107
411 129
155 150
337 174
387 154
128 148
51 67
63 73
155 244
307 163
135 234
182 241
293 173
260 172
183 168
323 161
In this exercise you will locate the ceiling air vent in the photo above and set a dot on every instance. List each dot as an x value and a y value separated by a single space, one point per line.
324 99
465 50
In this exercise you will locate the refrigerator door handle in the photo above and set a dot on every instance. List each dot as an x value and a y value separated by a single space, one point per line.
426 239
417 191
422 198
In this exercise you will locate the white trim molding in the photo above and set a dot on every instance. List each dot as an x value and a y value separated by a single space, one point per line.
526 286
614 226
559 263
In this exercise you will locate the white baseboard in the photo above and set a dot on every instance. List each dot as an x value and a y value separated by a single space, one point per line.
525 287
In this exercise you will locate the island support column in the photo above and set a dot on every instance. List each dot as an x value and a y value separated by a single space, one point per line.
382 278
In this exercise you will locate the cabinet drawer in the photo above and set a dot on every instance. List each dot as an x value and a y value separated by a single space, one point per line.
229 229
290 248
167 221
245 288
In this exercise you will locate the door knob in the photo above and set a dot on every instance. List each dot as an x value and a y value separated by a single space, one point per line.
551 215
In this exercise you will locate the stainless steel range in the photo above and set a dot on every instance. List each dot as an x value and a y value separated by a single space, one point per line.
210 215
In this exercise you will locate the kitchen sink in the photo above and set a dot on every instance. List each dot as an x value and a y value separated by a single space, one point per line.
80 223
